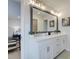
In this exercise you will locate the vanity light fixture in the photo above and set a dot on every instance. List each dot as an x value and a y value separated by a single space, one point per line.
38 4
43 7
59 14
31 2
52 11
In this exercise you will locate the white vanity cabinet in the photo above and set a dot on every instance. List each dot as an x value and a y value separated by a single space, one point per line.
46 49
58 45
49 47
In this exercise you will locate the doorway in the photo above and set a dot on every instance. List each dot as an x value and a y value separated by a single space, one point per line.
14 29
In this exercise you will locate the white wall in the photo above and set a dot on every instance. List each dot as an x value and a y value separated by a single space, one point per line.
14 8
66 29
25 29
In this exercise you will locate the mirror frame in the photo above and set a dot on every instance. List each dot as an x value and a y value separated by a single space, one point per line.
31 21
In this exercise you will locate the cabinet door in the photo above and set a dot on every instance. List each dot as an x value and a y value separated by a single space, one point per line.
62 43
46 50
54 48
58 45
64 38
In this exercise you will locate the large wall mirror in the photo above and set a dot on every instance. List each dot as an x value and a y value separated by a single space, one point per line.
42 21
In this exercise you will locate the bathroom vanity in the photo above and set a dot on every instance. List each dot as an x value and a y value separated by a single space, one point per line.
47 47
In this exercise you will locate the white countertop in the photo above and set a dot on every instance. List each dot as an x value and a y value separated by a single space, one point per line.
45 37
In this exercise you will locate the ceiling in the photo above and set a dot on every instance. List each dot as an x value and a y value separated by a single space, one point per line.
56 5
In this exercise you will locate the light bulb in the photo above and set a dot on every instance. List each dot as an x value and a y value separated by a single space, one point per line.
32 2
59 14
52 11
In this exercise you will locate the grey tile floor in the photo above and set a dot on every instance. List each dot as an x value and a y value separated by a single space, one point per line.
16 55
64 55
